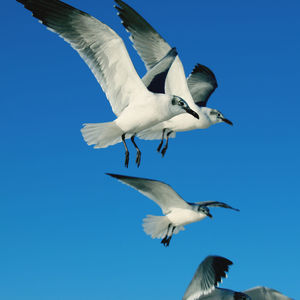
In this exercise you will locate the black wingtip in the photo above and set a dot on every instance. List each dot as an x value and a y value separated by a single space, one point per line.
120 177
202 69
115 175
205 70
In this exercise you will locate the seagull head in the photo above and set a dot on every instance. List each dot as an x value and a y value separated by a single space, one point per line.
217 117
204 210
180 106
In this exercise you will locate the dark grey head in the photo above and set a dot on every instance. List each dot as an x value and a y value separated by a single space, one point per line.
179 102
217 117
204 210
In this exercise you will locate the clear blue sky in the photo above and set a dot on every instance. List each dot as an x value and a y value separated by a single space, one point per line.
69 232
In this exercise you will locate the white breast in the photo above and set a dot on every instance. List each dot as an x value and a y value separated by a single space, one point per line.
186 122
181 217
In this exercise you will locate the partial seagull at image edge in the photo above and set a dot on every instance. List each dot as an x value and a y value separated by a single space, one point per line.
208 276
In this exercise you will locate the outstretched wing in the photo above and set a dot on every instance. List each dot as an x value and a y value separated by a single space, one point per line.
151 47
155 78
216 204
98 45
149 44
207 277
264 293
161 193
202 83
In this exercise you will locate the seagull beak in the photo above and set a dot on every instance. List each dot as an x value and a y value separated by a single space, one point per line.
227 121
209 215
191 112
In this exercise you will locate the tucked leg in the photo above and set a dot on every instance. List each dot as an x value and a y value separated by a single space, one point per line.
169 238
166 240
138 152
163 151
162 140
126 151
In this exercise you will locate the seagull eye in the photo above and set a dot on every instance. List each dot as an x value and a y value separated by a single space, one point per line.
219 115
180 103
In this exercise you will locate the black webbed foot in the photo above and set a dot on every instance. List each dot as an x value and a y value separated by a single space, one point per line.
166 241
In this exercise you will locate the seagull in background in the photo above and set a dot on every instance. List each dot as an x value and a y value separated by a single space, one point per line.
177 212
196 90
103 50
210 273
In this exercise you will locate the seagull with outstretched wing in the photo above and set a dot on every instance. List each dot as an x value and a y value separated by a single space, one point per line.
136 107
177 212
204 284
196 90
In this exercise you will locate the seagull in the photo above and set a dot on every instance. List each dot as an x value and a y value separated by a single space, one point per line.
265 293
177 212
104 51
210 273
196 89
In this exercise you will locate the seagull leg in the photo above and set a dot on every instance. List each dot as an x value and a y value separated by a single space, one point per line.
138 152
126 151
164 150
165 241
169 238
162 140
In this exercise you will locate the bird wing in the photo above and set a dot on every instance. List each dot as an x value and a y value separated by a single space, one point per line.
207 277
155 78
216 204
202 83
264 293
152 47
98 45
161 193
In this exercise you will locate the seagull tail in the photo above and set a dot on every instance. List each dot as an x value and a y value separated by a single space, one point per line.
101 135
157 226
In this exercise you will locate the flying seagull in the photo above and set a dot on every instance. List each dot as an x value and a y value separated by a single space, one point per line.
210 273
177 212
103 50
196 90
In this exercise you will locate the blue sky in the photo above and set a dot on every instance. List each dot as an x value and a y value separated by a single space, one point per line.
68 231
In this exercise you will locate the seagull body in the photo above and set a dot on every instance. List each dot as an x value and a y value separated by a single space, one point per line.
210 273
180 217
103 50
177 212
196 90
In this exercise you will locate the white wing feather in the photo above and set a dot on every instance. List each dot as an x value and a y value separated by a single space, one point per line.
98 45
